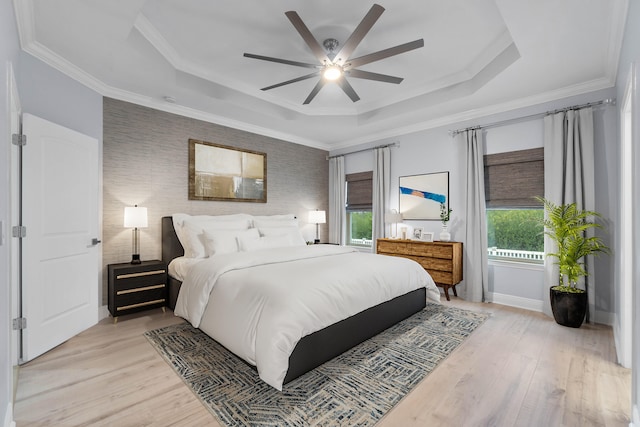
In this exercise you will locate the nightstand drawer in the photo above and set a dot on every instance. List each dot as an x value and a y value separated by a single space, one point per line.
123 281
139 298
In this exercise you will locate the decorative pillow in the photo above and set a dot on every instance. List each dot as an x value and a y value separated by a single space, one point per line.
262 243
292 233
226 241
244 239
192 237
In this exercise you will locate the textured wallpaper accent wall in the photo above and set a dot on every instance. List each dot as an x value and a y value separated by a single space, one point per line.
146 163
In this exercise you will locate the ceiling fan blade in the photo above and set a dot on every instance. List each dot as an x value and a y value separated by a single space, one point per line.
360 74
281 61
297 79
382 54
311 41
315 91
358 34
346 87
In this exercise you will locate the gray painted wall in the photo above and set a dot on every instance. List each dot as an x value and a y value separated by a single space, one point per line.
435 151
9 48
146 163
630 55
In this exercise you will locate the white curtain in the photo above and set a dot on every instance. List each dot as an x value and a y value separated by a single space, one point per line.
476 265
568 178
380 197
336 200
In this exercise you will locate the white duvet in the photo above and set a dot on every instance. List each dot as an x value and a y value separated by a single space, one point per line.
260 304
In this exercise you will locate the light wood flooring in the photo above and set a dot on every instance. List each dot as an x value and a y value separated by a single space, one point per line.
518 369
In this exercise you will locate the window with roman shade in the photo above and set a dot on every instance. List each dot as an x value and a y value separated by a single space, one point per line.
358 210
513 179
359 190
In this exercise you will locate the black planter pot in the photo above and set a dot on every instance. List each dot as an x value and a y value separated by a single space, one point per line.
568 308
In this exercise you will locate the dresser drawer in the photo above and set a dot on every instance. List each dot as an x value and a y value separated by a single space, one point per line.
433 250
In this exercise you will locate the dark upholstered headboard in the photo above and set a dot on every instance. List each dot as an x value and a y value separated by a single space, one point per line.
171 246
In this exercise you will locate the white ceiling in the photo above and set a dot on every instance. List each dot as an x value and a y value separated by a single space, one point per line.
480 57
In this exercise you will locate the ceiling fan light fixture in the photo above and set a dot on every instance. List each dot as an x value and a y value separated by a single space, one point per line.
332 72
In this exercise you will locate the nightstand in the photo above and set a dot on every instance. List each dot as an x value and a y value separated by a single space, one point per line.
136 287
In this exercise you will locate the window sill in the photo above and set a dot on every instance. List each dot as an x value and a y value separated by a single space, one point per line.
366 249
516 264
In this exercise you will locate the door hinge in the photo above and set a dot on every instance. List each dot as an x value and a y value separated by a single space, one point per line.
19 323
19 139
19 231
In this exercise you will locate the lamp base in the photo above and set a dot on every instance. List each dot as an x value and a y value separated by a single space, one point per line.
135 259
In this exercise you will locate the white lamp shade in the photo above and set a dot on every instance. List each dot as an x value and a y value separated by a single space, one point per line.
135 217
393 217
317 217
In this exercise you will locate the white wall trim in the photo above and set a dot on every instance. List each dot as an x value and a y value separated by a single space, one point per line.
635 418
103 312
518 302
8 416
605 318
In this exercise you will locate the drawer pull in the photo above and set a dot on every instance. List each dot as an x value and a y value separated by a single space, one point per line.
146 288
141 304
144 273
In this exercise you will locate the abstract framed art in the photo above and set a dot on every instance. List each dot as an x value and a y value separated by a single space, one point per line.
218 172
421 195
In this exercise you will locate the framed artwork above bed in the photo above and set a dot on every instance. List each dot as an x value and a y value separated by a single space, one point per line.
223 173
421 195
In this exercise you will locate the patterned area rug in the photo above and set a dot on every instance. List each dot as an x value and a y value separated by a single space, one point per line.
356 388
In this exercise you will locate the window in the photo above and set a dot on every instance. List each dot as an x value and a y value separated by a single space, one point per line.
512 180
359 201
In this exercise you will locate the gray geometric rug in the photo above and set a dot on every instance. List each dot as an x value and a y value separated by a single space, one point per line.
356 388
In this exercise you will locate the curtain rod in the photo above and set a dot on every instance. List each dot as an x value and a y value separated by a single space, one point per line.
608 101
393 144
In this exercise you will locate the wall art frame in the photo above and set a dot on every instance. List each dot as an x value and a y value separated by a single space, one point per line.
426 236
223 173
421 195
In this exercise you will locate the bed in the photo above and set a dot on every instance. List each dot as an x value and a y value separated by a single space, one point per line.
312 347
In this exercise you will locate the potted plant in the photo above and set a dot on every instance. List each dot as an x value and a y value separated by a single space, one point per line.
445 215
567 225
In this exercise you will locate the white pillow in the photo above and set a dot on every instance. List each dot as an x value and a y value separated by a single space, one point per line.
192 237
262 243
226 241
292 233
275 222
245 239
273 217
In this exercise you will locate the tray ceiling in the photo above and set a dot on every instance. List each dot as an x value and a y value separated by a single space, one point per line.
186 57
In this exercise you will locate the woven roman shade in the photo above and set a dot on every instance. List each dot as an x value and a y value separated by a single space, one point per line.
513 179
359 190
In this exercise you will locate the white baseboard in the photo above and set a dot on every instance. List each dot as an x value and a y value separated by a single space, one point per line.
103 313
8 416
605 318
518 302
602 317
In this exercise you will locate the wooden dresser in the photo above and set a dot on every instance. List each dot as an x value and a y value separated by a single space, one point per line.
442 260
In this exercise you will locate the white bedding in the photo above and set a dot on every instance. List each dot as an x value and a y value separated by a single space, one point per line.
260 304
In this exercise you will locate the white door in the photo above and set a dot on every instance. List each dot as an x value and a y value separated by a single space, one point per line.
60 262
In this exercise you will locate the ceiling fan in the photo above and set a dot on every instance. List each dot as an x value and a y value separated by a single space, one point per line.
336 66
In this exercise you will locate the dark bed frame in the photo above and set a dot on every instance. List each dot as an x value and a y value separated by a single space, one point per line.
325 344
